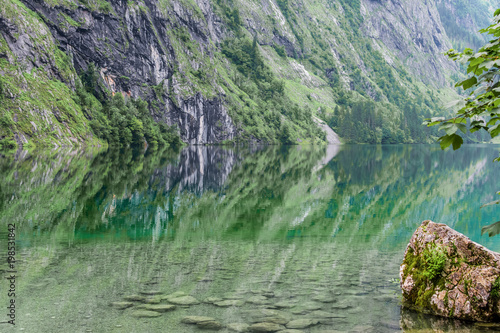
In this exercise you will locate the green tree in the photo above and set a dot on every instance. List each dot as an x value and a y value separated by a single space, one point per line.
481 108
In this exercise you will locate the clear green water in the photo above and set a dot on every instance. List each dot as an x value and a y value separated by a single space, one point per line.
297 230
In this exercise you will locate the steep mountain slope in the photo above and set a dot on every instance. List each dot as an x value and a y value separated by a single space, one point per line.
463 19
371 69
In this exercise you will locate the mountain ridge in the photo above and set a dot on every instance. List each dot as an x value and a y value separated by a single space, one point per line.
371 69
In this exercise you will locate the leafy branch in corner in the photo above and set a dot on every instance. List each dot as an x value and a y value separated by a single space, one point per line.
481 108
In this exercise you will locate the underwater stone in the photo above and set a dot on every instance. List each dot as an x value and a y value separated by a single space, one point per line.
135 298
324 298
445 273
203 322
258 300
210 325
284 305
229 302
238 327
151 292
157 307
212 300
174 295
145 314
301 323
121 305
184 300
265 327
153 300
324 314
195 319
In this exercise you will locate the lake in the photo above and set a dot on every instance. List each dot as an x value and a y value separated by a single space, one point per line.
312 235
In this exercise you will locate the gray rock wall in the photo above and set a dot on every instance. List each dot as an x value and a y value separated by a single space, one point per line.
135 49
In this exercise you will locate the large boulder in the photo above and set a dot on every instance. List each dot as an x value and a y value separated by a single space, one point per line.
445 273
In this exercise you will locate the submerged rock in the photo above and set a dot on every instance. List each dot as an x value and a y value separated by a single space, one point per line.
265 327
121 305
268 316
324 298
150 292
153 300
212 300
301 323
229 302
259 299
195 319
184 300
157 307
447 274
203 322
135 298
238 327
174 295
145 314
210 325
285 305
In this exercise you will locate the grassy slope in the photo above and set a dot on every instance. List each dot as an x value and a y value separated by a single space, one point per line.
34 100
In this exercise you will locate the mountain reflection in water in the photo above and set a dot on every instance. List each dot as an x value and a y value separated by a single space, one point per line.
310 232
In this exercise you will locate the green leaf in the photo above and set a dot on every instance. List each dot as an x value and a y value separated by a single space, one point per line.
449 128
462 128
497 12
445 141
460 121
474 63
494 130
466 84
457 141
448 140
492 121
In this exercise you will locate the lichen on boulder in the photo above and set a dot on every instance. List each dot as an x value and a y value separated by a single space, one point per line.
446 274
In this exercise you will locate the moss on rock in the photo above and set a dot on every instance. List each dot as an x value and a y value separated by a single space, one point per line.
445 273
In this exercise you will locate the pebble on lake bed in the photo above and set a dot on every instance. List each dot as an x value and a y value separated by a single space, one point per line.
150 292
229 302
203 322
121 305
195 319
266 327
184 300
135 298
238 327
145 314
157 307
174 295
153 300
301 323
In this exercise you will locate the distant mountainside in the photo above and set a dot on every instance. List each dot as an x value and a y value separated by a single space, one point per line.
228 70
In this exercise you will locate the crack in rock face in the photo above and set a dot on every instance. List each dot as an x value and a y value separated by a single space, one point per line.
446 274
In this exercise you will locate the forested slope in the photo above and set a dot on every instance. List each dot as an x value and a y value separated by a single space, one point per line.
125 72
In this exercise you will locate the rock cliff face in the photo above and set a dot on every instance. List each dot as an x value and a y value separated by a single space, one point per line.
410 32
134 45
170 54
446 274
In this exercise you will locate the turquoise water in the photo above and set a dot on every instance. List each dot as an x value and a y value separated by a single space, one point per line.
253 235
